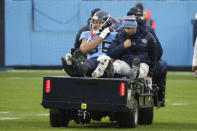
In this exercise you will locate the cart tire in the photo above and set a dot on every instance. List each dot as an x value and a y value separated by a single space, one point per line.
129 119
58 118
146 116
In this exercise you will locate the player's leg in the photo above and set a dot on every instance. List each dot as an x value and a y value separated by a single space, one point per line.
70 66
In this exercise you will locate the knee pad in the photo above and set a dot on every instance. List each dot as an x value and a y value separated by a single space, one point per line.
121 68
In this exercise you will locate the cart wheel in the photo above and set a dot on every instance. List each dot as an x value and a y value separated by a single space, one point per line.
129 119
59 118
146 116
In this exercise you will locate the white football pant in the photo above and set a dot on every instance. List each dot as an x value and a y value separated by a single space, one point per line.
122 68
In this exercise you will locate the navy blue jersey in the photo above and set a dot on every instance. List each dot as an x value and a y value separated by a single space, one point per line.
143 47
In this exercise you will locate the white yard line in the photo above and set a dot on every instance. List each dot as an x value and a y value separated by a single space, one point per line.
178 104
180 73
9 118
183 80
3 112
43 114
19 116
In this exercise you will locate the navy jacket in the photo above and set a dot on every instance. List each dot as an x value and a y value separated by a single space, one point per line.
143 26
143 47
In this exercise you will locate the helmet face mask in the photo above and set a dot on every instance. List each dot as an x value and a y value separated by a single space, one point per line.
100 21
95 25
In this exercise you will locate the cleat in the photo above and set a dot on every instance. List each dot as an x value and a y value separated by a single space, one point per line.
99 71
136 62
63 61
161 98
110 70
69 59
70 70
135 69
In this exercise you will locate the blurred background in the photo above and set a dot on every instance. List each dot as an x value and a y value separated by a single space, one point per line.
36 33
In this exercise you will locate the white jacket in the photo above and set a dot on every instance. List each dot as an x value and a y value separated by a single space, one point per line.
194 63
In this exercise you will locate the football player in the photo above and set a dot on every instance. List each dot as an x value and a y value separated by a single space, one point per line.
86 27
95 44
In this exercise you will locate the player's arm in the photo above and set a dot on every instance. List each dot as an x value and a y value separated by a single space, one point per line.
116 49
89 46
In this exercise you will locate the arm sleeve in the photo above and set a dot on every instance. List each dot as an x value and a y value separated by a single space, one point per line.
116 48
152 49
194 63
84 35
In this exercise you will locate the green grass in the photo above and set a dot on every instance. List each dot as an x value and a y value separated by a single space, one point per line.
21 95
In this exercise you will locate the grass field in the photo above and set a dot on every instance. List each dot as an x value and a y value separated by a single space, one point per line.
21 95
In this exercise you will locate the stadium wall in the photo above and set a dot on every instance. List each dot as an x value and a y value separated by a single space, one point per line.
38 33
2 34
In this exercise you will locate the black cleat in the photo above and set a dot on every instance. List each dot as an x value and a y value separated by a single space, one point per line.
109 72
71 70
136 62
135 69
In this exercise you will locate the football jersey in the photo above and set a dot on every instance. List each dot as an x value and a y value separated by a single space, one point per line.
102 48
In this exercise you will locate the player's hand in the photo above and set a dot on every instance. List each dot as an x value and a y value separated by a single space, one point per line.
108 23
104 33
149 80
127 43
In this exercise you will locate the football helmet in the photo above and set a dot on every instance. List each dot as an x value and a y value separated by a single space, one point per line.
100 21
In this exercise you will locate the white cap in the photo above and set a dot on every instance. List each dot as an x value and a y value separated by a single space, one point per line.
196 16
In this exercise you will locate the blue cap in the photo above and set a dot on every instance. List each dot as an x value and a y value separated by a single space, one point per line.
130 22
